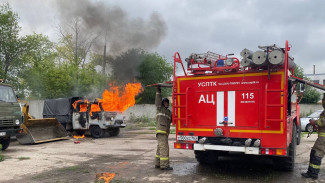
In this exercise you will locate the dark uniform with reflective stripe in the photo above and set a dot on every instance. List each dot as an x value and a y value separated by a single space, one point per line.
164 118
318 150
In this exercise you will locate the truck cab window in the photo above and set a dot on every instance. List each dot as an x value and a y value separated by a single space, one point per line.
7 94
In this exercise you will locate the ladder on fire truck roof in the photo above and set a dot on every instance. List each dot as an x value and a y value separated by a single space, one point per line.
270 92
177 106
282 94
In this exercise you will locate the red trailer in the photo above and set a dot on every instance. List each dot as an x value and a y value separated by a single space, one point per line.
220 107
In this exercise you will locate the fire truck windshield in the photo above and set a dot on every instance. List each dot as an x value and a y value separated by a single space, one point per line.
7 94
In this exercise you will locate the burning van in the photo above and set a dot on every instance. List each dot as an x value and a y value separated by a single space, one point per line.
77 114
91 116
103 115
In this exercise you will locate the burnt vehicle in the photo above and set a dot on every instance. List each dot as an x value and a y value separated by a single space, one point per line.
80 115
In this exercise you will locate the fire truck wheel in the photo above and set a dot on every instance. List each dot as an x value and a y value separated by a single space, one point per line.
309 128
288 163
298 134
206 157
114 132
96 131
5 143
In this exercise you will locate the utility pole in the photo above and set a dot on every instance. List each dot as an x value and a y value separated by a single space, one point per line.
104 57
76 44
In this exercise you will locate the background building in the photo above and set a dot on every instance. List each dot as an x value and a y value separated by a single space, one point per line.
317 78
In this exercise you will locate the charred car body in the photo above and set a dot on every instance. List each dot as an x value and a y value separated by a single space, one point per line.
80 115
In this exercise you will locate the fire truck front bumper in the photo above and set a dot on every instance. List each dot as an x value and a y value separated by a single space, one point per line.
246 150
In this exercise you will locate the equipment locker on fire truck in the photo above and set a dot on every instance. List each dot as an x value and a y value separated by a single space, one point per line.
225 105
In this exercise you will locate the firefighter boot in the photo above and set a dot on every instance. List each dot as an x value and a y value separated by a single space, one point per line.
167 168
307 175
157 159
314 166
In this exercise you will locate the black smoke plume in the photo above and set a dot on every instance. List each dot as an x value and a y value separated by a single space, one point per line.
120 31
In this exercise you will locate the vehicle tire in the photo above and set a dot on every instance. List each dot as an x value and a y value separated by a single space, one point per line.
206 157
309 128
5 143
288 163
96 132
114 132
298 134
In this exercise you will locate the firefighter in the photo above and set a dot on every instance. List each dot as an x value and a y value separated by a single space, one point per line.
318 150
164 118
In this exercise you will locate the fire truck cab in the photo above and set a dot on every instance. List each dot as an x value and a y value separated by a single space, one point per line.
223 105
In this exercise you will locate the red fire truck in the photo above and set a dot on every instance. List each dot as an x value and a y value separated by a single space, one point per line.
223 105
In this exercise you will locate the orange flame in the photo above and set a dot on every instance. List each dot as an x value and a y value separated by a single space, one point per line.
106 176
79 137
83 105
94 108
117 99
114 101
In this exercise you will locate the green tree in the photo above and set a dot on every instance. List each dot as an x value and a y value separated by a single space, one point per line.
154 69
1 157
47 74
39 68
298 72
90 82
10 43
58 81
310 95
75 43
38 58
98 60
73 51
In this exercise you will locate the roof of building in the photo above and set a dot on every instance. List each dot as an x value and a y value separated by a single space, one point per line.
314 74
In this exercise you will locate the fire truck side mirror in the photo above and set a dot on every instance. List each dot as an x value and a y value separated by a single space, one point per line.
302 87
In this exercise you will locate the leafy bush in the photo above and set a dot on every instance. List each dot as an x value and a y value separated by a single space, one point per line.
143 121
1 157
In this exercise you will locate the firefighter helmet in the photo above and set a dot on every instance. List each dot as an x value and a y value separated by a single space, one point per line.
164 100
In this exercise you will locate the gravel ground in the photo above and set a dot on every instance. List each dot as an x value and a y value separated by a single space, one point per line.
129 158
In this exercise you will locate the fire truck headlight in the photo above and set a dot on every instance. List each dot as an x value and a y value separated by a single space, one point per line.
229 62
202 140
218 132
248 142
257 143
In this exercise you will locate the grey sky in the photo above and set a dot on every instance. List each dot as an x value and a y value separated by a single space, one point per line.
220 26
